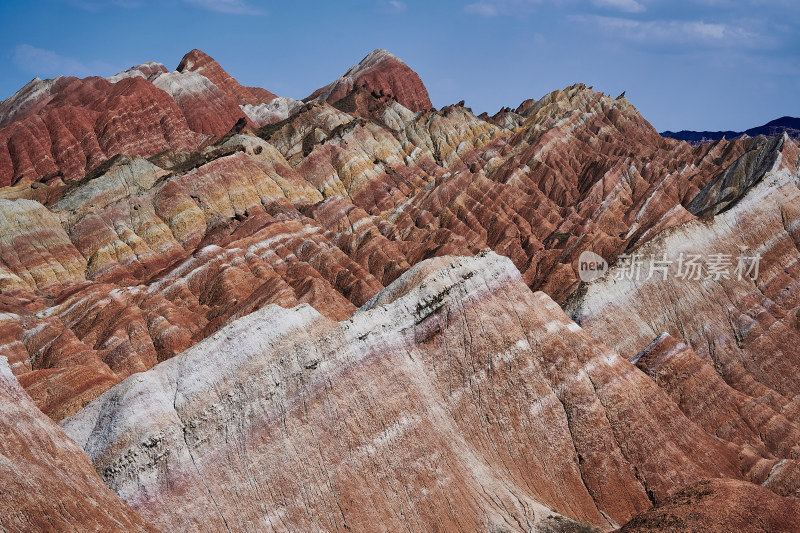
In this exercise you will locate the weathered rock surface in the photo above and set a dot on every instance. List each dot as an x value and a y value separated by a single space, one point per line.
201 63
455 388
63 128
276 110
206 107
383 73
37 253
145 70
27 101
111 263
725 189
720 505
85 122
332 207
745 327
727 353
48 483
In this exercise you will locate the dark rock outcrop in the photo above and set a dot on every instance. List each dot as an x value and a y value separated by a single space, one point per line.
778 127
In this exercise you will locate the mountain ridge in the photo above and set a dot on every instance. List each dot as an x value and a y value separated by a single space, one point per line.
779 126
349 313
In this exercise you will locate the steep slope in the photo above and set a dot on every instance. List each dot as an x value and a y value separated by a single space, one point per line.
62 129
27 101
720 505
383 74
114 264
200 63
84 122
735 369
206 107
328 210
744 325
455 388
47 482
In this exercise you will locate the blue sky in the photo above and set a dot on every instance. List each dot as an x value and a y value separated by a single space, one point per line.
697 64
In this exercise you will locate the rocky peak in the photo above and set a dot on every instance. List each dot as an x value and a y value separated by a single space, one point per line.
372 60
197 61
27 101
202 63
145 70
393 354
384 74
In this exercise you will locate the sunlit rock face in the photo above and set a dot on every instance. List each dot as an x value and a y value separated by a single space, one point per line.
742 328
275 110
413 392
84 122
391 278
201 63
381 73
61 129
206 107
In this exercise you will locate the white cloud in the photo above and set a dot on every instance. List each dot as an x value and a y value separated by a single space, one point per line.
46 63
628 6
391 6
230 7
484 9
671 31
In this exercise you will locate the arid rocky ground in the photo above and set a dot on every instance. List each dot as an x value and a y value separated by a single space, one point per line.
224 310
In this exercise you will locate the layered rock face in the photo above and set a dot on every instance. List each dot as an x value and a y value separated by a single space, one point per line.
84 122
727 353
60 129
345 229
199 62
382 73
328 207
454 388
48 482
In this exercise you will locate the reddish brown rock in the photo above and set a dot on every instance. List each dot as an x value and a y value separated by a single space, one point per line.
703 396
456 376
47 481
720 505
744 327
201 63
88 121
206 107
383 74
399 187
66 127
109 273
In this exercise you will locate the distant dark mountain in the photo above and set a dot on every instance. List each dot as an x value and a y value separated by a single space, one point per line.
790 125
